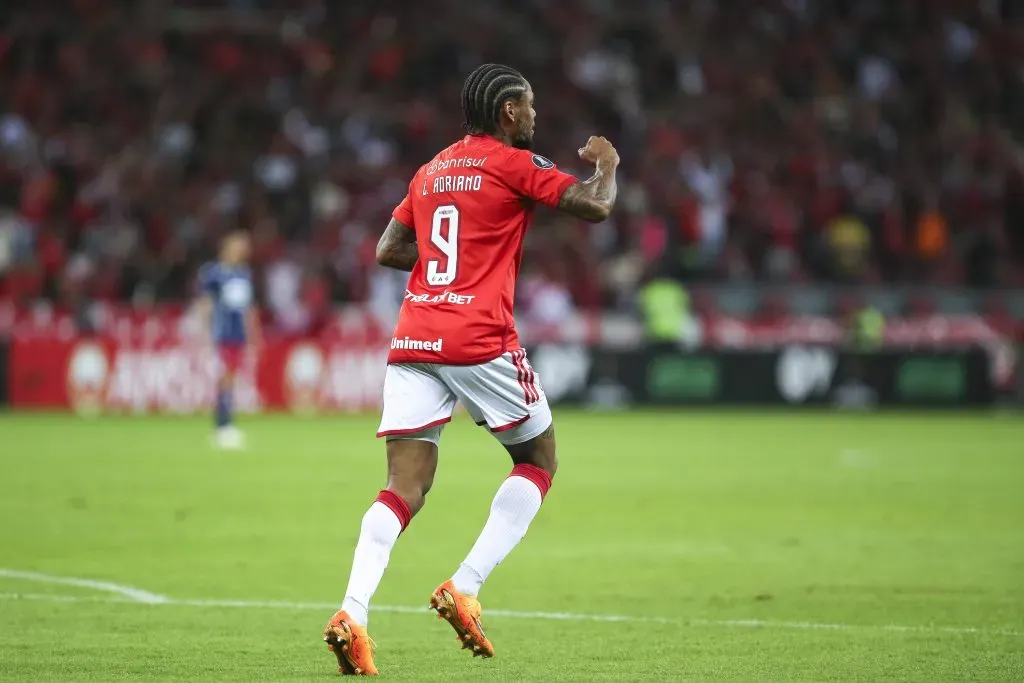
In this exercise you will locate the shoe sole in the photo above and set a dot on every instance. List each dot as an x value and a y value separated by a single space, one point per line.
339 641
447 609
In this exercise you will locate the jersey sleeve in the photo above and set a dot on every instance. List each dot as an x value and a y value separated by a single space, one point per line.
537 177
403 212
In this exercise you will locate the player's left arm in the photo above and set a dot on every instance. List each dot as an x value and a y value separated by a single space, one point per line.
539 179
594 199
397 246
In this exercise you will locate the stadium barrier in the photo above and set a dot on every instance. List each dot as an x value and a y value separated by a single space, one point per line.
793 375
103 375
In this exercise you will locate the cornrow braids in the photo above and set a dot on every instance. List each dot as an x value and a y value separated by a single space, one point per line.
484 93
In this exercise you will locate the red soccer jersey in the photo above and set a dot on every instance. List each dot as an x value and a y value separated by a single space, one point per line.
470 207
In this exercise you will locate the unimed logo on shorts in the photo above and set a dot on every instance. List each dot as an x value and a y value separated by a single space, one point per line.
407 344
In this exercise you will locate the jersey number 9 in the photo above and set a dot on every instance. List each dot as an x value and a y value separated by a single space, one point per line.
442 271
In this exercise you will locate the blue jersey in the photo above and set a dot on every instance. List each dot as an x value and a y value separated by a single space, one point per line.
230 288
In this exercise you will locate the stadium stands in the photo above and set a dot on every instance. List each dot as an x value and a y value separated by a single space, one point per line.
817 147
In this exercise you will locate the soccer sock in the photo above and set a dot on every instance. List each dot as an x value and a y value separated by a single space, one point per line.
382 524
223 412
514 507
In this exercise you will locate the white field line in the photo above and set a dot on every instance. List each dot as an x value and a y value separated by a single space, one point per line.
328 606
133 594
557 616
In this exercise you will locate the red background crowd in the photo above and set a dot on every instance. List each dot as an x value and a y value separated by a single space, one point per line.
836 143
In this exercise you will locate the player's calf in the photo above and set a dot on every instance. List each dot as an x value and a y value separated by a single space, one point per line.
514 507
539 452
227 436
412 464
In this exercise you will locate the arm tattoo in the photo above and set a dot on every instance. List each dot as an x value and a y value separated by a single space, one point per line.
397 247
592 199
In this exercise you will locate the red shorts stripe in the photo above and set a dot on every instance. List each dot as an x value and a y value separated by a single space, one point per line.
525 376
510 425
531 378
402 432
519 375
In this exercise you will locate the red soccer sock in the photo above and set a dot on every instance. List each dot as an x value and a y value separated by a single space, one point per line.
539 476
397 505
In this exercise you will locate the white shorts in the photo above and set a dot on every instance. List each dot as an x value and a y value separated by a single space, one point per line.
504 395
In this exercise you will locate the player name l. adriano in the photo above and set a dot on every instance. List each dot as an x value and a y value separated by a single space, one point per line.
454 183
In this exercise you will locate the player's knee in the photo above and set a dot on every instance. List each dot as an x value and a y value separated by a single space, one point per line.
548 462
413 493
411 467
417 492
539 452
544 452
412 487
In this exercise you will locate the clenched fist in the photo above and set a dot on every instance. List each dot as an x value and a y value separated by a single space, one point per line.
599 151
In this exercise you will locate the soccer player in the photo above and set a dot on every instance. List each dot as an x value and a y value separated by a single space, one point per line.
460 231
226 307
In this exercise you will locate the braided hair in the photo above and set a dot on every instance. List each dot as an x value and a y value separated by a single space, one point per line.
485 92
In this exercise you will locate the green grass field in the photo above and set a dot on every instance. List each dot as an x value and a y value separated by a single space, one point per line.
732 547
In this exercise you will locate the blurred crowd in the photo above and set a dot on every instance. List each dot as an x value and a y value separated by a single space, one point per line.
845 141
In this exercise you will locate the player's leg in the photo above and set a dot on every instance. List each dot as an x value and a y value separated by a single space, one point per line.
412 462
227 434
508 396
222 412
516 503
411 467
416 405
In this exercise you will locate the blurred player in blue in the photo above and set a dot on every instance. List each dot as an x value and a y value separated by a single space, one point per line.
227 308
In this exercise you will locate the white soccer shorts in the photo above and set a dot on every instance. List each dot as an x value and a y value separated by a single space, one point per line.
504 395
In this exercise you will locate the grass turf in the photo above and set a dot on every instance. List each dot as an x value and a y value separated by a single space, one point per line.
774 546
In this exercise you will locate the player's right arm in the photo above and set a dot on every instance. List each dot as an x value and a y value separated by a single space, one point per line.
397 246
593 199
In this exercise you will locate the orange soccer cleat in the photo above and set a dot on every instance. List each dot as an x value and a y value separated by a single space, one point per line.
351 644
463 613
